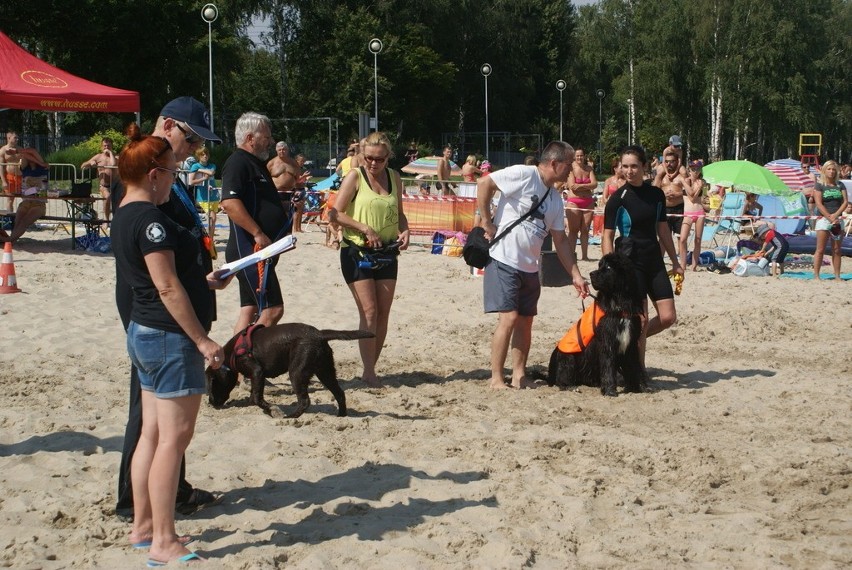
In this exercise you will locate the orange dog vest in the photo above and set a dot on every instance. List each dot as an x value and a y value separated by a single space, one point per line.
582 332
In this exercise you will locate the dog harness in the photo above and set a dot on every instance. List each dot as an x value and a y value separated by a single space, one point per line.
243 345
582 332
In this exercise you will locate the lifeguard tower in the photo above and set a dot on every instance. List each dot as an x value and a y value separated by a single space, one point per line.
810 147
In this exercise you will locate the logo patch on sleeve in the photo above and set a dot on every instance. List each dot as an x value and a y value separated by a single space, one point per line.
155 233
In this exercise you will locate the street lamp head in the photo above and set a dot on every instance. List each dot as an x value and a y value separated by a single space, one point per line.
561 85
600 93
375 46
209 13
485 69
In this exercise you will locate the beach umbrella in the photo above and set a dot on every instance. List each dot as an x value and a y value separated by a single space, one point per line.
428 165
794 164
745 176
788 162
794 178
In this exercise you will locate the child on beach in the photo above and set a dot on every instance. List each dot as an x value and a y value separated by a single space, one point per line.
774 246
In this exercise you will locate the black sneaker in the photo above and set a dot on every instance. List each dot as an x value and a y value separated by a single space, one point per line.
197 500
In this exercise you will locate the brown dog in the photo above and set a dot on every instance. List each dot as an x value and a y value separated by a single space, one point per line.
298 349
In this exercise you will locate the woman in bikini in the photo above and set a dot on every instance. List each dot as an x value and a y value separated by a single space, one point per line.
580 206
693 213
469 169
615 181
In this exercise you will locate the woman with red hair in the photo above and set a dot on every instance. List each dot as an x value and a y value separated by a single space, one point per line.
167 337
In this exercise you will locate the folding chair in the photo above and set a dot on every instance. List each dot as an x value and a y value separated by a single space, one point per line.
731 222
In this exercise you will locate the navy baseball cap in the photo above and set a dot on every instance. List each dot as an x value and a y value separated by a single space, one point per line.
192 112
674 140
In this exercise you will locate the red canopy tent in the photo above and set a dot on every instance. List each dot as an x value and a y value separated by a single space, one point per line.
26 82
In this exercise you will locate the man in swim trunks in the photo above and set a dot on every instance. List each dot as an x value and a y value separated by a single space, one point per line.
10 167
443 185
670 180
106 162
285 175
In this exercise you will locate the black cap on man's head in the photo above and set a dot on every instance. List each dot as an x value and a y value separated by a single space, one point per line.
192 112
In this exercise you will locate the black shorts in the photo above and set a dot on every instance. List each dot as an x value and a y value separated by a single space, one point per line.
652 276
249 284
677 220
349 258
653 280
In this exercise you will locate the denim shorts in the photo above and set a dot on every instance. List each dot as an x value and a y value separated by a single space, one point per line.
169 363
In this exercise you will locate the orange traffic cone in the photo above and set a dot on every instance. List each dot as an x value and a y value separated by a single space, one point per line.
8 281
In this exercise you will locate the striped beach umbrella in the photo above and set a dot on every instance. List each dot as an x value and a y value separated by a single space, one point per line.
429 165
791 163
794 178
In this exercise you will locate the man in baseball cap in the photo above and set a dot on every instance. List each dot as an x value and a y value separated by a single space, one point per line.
193 114
185 123
674 140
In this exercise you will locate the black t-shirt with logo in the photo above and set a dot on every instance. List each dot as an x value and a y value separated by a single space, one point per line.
139 228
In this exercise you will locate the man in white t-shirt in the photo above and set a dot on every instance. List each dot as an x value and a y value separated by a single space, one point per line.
511 284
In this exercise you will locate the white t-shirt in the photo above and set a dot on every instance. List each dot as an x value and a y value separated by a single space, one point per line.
521 248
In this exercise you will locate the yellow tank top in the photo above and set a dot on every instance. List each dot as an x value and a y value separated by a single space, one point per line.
375 210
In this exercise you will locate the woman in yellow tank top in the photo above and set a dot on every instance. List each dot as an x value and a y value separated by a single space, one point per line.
369 209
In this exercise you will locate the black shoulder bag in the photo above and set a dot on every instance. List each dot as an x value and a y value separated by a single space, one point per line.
476 250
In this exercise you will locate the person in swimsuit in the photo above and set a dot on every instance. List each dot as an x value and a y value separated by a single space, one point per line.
615 181
469 169
672 182
774 246
106 163
14 161
580 206
637 211
693 213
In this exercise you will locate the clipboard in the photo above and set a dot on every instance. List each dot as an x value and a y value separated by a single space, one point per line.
285 244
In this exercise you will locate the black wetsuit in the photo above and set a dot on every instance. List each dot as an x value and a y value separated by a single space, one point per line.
635 212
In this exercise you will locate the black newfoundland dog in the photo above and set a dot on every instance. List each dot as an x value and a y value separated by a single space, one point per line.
615 321
298 349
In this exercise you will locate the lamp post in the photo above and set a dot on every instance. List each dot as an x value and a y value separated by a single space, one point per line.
629 123
375 46
209 13
560 86
600 93
485 70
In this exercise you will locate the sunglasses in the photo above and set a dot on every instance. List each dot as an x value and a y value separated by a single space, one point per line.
378 159
167 146
191 137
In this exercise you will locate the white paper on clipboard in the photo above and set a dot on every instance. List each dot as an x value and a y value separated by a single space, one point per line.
285 244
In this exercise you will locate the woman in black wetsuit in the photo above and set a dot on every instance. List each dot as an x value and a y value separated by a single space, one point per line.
638 211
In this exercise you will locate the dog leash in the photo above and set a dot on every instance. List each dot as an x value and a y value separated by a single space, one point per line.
262 274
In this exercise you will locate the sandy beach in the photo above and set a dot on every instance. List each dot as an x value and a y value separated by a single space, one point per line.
739 459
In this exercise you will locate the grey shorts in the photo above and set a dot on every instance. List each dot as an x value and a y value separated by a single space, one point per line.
507 289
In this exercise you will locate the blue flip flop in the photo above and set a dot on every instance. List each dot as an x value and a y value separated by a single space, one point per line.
191 557
147 543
